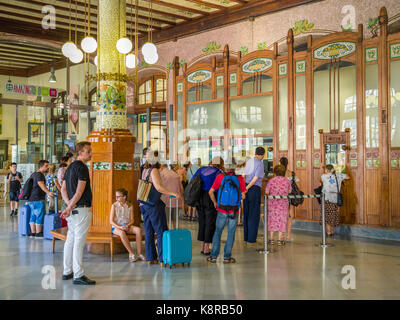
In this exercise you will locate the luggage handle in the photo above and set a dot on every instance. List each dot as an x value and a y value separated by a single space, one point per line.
170 212
56 204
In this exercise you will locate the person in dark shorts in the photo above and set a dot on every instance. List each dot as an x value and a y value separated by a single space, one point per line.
77 194
36 200
14 180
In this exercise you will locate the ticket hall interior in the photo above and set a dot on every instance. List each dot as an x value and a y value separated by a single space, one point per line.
316 82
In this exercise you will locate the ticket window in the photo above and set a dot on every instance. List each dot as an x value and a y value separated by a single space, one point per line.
336 156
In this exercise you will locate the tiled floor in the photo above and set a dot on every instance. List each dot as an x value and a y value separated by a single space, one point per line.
300 270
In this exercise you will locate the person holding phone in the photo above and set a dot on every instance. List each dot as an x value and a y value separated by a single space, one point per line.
77 195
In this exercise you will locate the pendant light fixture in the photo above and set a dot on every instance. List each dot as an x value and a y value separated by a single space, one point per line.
149 50
52 78
89 44
131 59
77 55
69 47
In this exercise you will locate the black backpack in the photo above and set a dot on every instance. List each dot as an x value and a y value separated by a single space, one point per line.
296 192
27 189
193 191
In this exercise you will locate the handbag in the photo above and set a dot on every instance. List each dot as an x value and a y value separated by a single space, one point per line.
339 195
318 191
147 193
296 192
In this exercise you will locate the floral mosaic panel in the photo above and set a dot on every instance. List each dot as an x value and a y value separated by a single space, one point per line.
112 97
302 26
220 81
101 165
371 54
257 65
395 50
211 47
335 50
232 78
122 166
300 66
179 87
199 76
282 69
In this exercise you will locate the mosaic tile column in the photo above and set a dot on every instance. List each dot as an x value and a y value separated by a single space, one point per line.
111 105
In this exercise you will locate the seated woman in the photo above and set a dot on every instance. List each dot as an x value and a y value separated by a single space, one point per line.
121 219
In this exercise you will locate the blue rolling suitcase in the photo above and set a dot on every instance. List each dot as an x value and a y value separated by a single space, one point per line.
52 221
177 243
24 217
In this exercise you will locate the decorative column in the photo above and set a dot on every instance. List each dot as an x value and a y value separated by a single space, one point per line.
112 166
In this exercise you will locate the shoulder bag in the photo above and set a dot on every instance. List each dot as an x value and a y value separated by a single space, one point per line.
339 195
147 193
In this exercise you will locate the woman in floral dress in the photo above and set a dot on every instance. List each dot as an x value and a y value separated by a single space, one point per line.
278 208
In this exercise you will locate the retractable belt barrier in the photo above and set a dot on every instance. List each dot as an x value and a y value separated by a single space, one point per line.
323 244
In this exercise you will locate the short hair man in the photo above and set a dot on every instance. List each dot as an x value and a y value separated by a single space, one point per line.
254 173
37 198
14 180
77 195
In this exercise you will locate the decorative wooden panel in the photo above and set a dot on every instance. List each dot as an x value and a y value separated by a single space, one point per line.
372 195
394 197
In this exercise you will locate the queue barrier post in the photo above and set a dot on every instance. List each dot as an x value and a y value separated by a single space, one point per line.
265 250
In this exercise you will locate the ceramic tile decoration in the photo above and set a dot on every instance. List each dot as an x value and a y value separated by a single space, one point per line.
101 165
232 78
395 50
88 165
371 54
394 163
199 76
257 65
220 81
336 50
298 163
179 87
376 163
353 163
282 69
122 166
317 162
303 163
368 163
300 66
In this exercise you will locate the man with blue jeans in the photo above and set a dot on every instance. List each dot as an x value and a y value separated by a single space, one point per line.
254 173
222 217
36 199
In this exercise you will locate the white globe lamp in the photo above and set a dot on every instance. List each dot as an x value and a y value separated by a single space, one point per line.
124 45
131 61
77 56
89 44
68 49
95 60
148 48
151 58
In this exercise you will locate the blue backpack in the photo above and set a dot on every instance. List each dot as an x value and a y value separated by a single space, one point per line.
229 195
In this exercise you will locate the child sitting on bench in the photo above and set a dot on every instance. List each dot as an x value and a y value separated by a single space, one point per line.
121 220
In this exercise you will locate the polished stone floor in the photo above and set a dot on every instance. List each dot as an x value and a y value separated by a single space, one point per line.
300 270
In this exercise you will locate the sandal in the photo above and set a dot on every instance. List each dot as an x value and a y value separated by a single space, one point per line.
230 260
141 257
271 241
132 258
212 259
281 242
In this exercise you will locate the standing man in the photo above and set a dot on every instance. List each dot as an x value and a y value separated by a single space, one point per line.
14 180
77 195
36 200
254 173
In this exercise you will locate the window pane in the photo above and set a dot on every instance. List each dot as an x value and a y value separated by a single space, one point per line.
180 122
301 112
266 83
232 91
141 99
141 88
321 104
283 114
348 105
148 86
371 106
251 115
220 93
160 96
247 86
205 119
159 84
395 102
149 98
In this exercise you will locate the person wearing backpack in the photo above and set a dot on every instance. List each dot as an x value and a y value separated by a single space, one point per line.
231 191
278 208
254 173
206 211
193 167
14 180
37 197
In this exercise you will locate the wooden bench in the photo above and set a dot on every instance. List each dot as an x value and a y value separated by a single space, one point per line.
94 237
